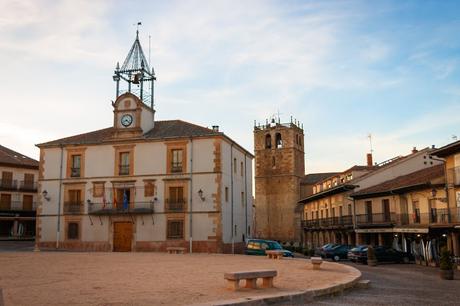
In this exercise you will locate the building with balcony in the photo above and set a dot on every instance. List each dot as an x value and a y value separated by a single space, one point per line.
143 184
331 215
450 155
18 193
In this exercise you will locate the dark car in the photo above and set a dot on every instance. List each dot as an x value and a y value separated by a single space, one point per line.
385 254
356 252
337 252
259 246
320 251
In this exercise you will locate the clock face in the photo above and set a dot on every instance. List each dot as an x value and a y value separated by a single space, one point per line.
126 120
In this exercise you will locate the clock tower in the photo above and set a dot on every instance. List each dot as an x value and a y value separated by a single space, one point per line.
134 105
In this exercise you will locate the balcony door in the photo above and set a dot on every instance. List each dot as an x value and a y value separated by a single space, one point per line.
386 210
5 201
123 198
27 202
368 211
7 179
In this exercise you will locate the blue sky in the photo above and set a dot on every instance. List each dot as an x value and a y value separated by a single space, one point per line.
343 68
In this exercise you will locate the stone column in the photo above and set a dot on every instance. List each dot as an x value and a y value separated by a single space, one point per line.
456 243
380 237
359 238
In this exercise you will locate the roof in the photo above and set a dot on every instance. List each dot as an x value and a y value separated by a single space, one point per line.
167 129
12 158
331 191
449 149
136 59
313 178
420 178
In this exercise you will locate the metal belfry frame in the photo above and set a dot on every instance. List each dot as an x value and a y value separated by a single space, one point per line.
136 71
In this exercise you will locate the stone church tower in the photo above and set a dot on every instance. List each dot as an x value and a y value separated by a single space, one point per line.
279 167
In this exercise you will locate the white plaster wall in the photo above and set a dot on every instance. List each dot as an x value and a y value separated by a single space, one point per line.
95 231
99 161
150 158
147 119
52 160
203 155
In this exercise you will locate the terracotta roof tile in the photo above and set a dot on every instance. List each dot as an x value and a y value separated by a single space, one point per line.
424 176
313 178
13 158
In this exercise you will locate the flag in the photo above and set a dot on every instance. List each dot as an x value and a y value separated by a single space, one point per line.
103 200
125 200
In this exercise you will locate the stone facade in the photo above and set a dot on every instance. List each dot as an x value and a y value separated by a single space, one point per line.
279 168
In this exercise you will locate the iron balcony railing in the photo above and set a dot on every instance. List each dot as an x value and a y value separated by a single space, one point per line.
73 207
8 184
123 170
328 222
18 206
175 205
453 176
435 216
382 218
176 167
75 172
28 186
119 208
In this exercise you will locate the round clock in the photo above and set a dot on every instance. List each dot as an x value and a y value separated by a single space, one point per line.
126 120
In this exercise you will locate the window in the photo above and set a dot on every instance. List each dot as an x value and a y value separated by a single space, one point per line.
149 189
226 194
273 162
175 229
98 189
279 141
350 212
242 198
124 163
5 201
7 179
176 160
75 167
416 209
268 141
242 168
74 203
28 181
176 199
234 165
73 230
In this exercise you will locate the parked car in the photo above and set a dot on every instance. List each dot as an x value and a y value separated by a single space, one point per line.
385 254
337 252
320 251
355 252
259 246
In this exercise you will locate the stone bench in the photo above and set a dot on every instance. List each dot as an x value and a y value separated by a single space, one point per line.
175 250
274 254
233 278
316 262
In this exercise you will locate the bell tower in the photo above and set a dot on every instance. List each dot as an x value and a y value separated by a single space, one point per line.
135 76
134 112
279 167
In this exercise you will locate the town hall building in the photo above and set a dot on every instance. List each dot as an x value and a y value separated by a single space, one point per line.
142 184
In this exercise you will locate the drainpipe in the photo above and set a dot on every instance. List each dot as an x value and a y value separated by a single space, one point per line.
58 233
231 190
246 196
191 198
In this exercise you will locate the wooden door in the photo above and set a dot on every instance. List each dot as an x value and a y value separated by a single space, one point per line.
7 179
5 201
27 202
122 236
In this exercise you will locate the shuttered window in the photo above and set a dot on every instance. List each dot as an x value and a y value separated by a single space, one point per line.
175 229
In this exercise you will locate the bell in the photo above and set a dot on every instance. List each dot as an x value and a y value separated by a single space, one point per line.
136 79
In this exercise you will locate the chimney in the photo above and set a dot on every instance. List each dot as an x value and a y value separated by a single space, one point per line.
414 150
215 128
369 159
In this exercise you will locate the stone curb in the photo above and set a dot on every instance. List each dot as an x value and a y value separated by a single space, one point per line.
292 297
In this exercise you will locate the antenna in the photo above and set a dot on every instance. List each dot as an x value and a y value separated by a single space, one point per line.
149 50
370 142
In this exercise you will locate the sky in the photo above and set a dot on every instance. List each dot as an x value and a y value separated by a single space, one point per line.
345 69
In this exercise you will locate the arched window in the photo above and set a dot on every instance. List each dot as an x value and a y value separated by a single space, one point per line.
279 141
268 141
273 162
297 138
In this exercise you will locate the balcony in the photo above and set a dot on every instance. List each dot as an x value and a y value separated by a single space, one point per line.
73 207
123 170
75 172
175 205
376 219
28 186
8 184
453 176
176 167
24 209
334 222
110 209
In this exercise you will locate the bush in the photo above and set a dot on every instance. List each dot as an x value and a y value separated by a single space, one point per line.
371 253
445 261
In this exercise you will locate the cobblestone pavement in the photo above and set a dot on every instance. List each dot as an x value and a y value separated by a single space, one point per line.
399 284
16 246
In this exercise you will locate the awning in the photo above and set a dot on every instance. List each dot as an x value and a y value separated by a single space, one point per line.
393 230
